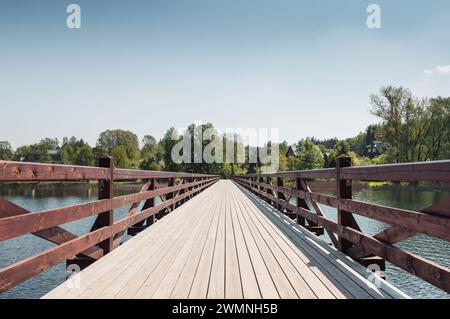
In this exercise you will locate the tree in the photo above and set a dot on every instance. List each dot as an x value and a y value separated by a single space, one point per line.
327 143
38 152
309 156
149 148
126 140
120 156
23 153
404 123
170 138
151 154
76 152
197 134
6 152
359 142
438 139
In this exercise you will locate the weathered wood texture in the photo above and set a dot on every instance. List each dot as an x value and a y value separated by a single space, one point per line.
433 221
225 243
106 234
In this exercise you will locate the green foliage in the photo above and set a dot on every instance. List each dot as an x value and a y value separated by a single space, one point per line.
76 152
283 164
150 148
152 154
410 129
38 152
341 147
359 142
328 143
309 156
415 129
119 153
125 140
6 151
382 159
170 138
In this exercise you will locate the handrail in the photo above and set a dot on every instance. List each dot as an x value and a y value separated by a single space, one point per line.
106 234
345 233
26 172
420 171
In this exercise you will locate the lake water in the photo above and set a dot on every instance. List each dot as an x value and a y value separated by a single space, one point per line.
42 197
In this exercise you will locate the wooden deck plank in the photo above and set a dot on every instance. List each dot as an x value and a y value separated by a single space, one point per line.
152 269
172 261
250 288
294 254
200 283
337 263
186 278
288 282
126 271
152 243
216 288
97 272
298 265
233 283
321 256
224 243
282 284
266 284
167 284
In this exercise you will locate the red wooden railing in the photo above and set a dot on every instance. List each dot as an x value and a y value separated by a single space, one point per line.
106 233
345 233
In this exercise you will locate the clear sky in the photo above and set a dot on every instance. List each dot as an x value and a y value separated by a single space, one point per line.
307 68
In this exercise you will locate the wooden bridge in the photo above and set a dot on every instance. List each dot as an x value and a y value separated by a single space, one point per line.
210 238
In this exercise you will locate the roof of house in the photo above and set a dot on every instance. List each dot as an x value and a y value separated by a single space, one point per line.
291 151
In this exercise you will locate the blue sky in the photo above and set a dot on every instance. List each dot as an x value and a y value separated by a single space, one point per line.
307 68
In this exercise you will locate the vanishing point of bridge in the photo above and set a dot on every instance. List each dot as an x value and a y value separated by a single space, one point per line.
196 236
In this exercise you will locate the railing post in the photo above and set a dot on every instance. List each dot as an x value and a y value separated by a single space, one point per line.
300 202
150 203
280 195
344 190
171 183
105 191
269 190
189 180
185 181
261 188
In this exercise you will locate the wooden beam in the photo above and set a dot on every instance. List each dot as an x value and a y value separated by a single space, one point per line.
300 203
56 235
16 273
318 211
105 191
20 171
425 223
427 270
421 171
15 226
344 190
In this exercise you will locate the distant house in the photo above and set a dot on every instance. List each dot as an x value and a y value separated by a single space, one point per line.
291 152
374 149
53 155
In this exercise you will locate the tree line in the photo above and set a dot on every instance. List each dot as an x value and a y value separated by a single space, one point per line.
409 129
